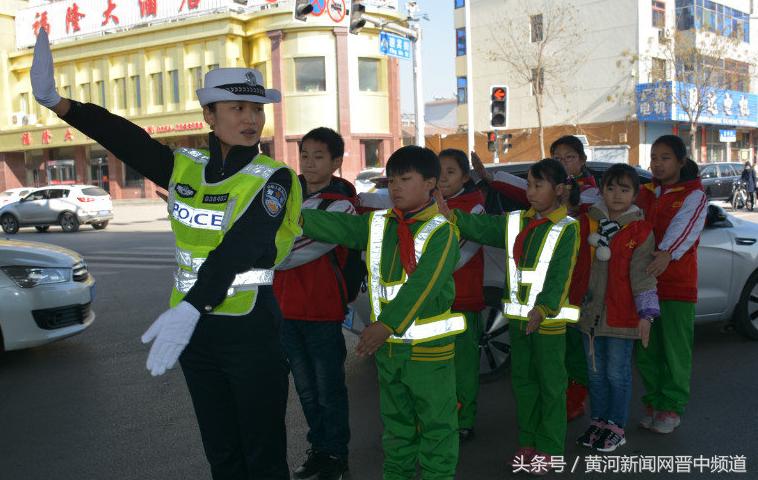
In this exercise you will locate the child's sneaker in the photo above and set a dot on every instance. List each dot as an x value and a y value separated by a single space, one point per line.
649 418
311 467
666 422
611 438
592 433
522 459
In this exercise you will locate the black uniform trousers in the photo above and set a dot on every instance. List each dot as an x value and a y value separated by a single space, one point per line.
238 380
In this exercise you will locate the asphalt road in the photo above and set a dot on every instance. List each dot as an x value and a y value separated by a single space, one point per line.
86 408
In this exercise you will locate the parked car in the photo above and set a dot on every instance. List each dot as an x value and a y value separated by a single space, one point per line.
718 179
46 294
13 195
66 205
727 275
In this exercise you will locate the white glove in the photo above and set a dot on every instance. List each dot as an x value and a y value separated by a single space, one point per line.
172 332
43 80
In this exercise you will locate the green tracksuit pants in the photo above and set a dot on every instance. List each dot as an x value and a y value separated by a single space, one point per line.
538 375
576 360
418 409
467 370
666 364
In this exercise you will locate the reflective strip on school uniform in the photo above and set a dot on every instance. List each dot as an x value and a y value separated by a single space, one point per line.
533 279
421 329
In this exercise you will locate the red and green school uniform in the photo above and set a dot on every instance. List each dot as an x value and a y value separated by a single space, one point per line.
677 213
469 301
539 251
415 365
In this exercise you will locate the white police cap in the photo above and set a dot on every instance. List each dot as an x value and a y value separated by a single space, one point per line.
236 85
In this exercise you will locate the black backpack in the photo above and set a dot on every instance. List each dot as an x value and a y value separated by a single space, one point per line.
353 274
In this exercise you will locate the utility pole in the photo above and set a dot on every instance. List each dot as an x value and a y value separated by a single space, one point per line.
418 86
470 84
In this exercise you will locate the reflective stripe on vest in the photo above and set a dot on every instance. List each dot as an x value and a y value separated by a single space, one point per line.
421 329
184 258
534 279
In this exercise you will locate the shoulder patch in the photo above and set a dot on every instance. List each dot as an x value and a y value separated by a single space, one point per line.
184 190
274 198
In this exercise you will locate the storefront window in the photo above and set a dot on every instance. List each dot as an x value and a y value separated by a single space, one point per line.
132 178
310 74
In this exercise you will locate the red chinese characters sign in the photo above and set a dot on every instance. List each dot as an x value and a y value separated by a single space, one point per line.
72 18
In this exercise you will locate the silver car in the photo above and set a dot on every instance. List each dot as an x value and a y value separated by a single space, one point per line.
66 205
46 294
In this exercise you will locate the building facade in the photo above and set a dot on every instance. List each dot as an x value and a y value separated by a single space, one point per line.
147 63
619 62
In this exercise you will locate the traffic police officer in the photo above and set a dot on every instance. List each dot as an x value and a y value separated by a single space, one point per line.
234 212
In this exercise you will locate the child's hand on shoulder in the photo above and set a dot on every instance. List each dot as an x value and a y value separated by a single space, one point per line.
535 318
442 204
372 338
659 264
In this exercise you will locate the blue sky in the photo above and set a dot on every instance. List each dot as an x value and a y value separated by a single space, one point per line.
437 55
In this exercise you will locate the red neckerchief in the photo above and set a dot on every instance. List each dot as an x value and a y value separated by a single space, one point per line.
518 247
405 237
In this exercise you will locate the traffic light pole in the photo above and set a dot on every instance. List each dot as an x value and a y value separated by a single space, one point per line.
471 128
418 89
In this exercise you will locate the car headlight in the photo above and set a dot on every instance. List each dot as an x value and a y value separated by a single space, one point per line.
28 277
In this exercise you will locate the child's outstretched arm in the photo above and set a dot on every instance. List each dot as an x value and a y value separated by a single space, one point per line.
339 228
483 229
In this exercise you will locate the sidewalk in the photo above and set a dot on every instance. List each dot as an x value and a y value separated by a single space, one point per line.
139 216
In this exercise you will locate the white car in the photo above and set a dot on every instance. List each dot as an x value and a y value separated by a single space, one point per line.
66 205
13 195
363 181
46 294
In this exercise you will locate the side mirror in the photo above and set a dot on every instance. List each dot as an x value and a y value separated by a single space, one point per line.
715 216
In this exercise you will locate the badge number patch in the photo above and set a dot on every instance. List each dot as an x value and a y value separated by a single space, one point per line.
217 198
274 199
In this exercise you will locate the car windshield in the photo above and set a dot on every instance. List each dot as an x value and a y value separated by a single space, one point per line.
94 191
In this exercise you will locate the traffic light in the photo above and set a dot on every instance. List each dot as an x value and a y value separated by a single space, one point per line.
302 9
491 141
498 107
505 140
357 9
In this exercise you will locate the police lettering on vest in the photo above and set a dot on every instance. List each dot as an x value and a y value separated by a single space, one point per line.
197 217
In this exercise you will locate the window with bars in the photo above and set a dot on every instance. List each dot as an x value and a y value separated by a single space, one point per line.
659 14
536 28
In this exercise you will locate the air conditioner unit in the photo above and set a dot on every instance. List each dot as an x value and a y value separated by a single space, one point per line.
665 35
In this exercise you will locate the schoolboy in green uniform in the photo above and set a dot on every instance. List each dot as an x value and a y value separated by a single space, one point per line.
541 245
411 253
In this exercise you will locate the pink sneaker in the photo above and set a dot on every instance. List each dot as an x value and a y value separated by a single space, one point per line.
611 439
522 460
666 422
649 418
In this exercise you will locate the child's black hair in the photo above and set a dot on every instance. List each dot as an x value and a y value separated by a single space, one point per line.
462 160
619 172
328 137
459 156
554 172
412 158
689 170
572 142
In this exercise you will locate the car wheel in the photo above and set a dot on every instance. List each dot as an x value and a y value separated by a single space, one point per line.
746 314
69 222
9 223
100 225
42 228
494 345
